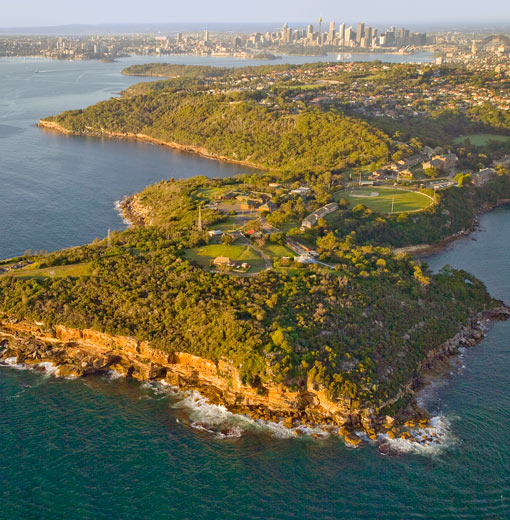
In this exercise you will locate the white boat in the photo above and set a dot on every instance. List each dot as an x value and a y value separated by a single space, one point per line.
343 57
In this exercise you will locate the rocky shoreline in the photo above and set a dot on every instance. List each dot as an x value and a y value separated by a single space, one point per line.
80 353
197 150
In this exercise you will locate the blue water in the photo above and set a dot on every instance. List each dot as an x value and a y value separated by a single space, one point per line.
102 449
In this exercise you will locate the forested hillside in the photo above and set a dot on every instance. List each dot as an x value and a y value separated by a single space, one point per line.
237 127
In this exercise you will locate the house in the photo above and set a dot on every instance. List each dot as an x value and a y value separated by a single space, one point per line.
302 191
444 163
222 261
215 233
248 205
252 233
268 206
227 195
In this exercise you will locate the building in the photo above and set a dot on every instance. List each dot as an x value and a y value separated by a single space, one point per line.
267 207
444 163
360 33
311 220
222 261
483 176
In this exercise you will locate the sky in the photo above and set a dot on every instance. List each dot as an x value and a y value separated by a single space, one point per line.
25 13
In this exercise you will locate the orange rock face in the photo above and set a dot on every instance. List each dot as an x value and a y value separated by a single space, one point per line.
83 352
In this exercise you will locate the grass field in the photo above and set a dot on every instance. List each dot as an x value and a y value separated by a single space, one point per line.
482 139
61 271
203 255
277 250
380 199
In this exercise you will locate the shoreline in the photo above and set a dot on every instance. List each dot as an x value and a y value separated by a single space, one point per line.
197 150
424 250
74 353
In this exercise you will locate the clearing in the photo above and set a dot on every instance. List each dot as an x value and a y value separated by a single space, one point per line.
482 139
203 255
380 199
59 271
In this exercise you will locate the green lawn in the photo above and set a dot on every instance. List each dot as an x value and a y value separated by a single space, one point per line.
203 255
229 224
482 139
379 199
213 192
74 270
277 250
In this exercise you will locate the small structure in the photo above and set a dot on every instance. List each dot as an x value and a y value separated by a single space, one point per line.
248 205
215 233
302 191
222 261
267 207
303 259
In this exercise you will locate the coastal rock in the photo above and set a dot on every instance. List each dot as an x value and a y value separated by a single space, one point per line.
84 352
350 437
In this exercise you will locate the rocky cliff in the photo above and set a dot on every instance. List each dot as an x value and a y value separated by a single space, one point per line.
78 353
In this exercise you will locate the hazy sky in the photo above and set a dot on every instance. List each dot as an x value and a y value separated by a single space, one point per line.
57 12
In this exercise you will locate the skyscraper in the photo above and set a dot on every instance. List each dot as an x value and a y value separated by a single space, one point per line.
341 32
360 32
332 32
348 36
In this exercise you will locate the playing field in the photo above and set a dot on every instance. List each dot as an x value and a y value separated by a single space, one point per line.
380 199
203 255
482 139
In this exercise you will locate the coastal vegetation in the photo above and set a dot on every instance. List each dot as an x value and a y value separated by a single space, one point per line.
358 331
323 301
238 128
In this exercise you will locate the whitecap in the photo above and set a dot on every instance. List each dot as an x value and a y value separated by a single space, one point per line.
50 368
430 441
113 375
12 362
118 208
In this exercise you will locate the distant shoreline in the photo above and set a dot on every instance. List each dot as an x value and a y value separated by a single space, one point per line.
197 150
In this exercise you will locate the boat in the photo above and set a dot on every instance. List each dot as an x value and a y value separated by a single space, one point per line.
343 57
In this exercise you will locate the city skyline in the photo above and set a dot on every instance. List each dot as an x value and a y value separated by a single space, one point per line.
58 12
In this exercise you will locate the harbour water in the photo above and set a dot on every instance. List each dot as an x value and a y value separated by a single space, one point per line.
102 448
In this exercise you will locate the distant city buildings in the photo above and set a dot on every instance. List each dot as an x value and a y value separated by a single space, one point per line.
362 36
492 52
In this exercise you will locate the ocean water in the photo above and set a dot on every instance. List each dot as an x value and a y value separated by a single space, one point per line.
107 448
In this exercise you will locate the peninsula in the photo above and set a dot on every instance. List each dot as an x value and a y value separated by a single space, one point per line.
279 294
